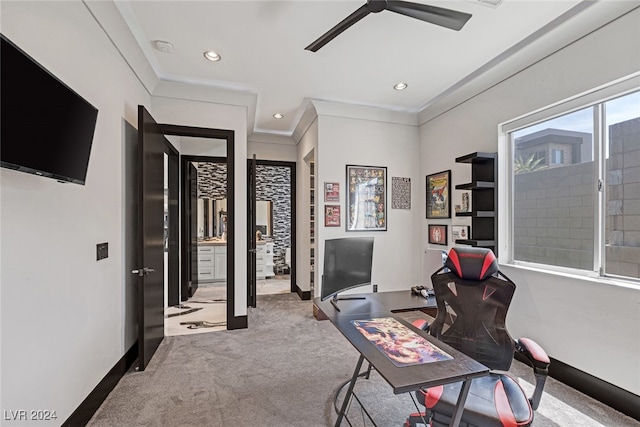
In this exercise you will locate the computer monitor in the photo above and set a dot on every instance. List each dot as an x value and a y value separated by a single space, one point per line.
347 265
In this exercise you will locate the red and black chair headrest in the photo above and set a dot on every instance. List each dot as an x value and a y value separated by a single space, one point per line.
472 263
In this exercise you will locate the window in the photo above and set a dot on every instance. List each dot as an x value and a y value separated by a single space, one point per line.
557 157
581 208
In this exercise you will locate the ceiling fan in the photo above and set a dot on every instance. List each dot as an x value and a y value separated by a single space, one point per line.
435 15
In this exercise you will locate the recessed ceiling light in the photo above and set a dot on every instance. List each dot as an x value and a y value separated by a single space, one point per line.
163 46
278 116
400 86
212 56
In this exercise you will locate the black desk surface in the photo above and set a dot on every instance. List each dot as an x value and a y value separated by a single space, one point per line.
378 302
407 378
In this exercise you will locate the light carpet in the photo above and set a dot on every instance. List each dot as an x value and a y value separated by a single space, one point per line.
283 371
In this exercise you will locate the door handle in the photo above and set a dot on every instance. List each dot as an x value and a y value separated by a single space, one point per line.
143 271
252 251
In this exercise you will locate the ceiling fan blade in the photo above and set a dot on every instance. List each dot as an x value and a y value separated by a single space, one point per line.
435 15
335 31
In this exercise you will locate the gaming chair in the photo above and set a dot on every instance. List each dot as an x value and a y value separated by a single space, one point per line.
473 297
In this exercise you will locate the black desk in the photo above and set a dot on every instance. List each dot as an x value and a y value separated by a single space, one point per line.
383 302
401 379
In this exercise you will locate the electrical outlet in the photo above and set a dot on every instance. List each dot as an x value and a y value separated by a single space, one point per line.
102 251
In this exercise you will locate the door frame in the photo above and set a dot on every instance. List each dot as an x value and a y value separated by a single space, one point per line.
304 295
189 286
188 252
173 172
233 322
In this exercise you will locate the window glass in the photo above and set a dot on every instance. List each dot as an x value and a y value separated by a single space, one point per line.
554 195
622 232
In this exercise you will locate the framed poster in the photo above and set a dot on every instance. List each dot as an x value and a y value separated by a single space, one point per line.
400 193
459 232
437 234
366 198
331 192
332 215
439 195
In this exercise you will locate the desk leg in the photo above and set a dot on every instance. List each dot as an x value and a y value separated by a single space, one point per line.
462 397
347 396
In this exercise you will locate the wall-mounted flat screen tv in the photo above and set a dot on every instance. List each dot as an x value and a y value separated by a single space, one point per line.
45 127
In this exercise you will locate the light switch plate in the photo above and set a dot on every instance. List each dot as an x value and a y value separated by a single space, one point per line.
102 251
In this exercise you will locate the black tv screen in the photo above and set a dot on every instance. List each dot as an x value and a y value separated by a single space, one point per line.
347 264
45 127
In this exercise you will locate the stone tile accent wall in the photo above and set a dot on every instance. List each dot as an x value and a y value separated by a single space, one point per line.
274 183
212 180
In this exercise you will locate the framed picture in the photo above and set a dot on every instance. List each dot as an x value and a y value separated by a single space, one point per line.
459 232
400 193
332 215
437 234
439 195
366 198
331 192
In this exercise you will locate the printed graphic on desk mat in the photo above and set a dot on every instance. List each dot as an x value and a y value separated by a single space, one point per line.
400 344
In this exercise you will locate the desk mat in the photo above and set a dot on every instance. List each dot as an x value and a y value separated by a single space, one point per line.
401 345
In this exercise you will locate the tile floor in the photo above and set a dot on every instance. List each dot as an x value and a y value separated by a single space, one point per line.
206 311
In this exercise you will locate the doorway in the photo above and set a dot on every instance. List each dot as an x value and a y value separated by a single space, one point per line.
272 219
188 210
156 228
204 302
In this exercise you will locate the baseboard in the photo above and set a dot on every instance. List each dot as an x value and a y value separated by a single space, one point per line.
90 405
304 295
617 398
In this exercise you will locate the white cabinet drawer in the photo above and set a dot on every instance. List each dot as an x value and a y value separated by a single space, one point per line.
205 273
205 259
204 249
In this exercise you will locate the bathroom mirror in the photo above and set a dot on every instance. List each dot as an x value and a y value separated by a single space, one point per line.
212 215
220 214
206 224
264 217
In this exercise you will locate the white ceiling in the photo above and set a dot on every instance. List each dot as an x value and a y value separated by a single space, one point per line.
265 67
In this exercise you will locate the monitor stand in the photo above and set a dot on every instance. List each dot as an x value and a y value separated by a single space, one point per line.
335 299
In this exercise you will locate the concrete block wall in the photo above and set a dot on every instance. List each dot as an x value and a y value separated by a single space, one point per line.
554 214
623 199
554 209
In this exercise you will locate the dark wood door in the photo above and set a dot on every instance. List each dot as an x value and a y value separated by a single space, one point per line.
192 175
150 270
251 244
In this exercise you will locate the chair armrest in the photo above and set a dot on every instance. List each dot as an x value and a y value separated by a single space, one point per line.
540 362
534 353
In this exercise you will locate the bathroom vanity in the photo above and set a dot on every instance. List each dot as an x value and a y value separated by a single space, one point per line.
212 261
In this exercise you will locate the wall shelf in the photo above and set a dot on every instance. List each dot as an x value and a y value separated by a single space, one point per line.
477 214
483 198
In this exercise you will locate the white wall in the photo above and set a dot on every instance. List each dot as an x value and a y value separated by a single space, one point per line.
590 325
63 312
168 109
305 151
372 138
272 147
